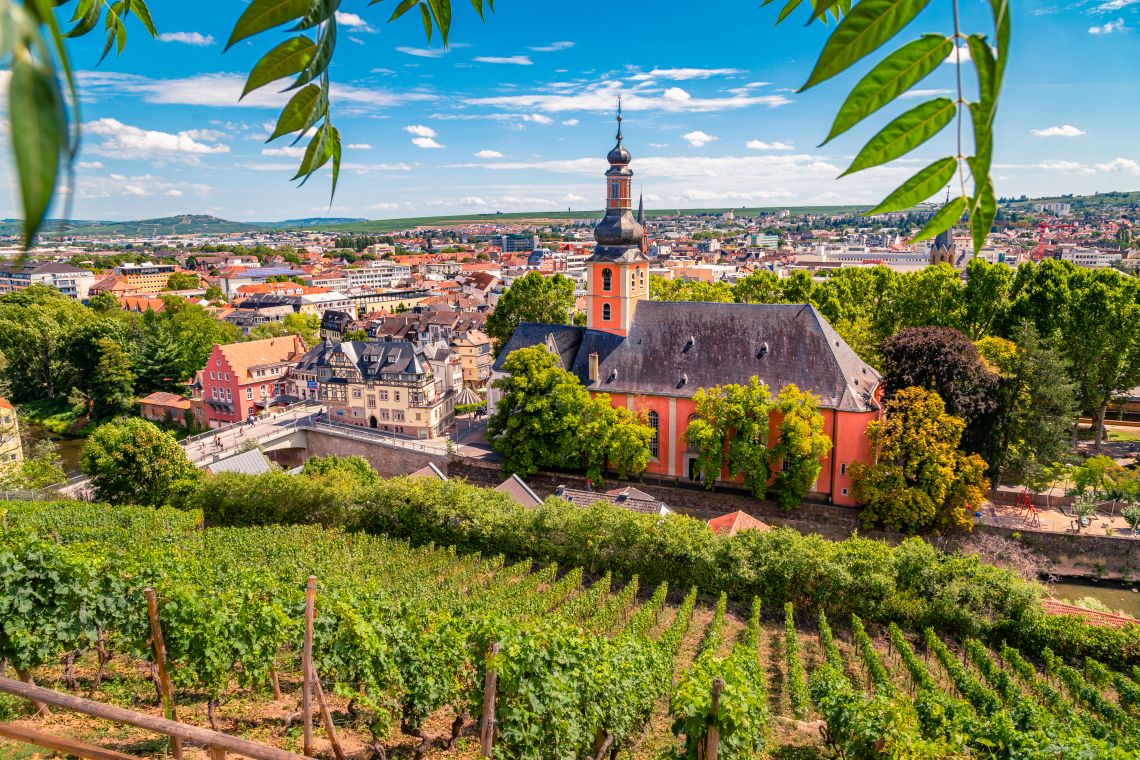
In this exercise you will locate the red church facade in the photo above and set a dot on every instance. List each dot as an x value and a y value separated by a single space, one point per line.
653 356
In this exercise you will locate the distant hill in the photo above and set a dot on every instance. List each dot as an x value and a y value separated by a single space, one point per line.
189 224
1093 203
311 222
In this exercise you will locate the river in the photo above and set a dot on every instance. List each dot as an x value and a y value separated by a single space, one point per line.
1118 597
69 448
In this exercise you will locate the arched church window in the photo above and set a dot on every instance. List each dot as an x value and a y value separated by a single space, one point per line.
633 279
607 279
654 421
606 312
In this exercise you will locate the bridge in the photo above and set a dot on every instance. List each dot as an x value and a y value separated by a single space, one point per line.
292 435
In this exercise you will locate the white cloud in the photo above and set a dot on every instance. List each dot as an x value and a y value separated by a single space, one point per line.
1120 165
733 195
187 38
126 141
698 138
573 198
602 97
383 206
472 200
538 118
423 52
676 95
571 122
288 150
359 146
1109 28
909 94
658 145
553 47
224 90
761 145
211 135
488 154
353 21
681 75
1065 130
89 165
419 130
425 142
1114 5
962 54
173 193
510 60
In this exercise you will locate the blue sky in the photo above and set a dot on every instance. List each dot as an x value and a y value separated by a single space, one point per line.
518 113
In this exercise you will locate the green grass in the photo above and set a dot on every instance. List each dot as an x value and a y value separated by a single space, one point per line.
55 415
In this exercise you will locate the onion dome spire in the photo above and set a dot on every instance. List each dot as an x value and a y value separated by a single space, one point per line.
619 156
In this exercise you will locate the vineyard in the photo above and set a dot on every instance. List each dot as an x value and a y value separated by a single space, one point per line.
413 647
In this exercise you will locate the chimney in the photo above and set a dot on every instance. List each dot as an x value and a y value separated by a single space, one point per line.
593 367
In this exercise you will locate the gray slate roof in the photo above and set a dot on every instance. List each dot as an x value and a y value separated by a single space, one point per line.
373 359
251 462
675 347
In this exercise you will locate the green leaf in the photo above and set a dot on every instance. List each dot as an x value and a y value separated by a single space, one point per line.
319 12
334 149
983 210
1000 10
946 217
904 134
441 9
317 154
478 6
321 56
919 187
87 16
862 31
790 6
425 14
261 15
402 8
897 73
143 12
39 136
290 57
303 110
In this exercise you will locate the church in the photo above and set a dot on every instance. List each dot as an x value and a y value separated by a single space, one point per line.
653 356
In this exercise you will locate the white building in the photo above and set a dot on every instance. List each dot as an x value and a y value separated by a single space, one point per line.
1090 258
72 281
383 274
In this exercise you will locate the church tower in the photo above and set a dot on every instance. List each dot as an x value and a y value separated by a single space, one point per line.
944 250
617 275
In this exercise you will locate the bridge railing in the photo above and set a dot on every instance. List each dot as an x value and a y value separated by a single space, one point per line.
368 434
300 405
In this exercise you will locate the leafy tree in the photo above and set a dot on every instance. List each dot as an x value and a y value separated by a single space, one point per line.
920 480
1036 411
182 281
1040 294
943 360
162 362
536 423
113 387
761 286
214 294
531 298
36 325
305 325
104 303
800 445
731 430
930 296
661 289
612 436
42 469
1101 339
132 461
194 329
354 335
797 287
985 297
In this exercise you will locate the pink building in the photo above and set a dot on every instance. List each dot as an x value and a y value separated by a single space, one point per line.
241 380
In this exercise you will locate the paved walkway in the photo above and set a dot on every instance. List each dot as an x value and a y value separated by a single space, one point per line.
1053 521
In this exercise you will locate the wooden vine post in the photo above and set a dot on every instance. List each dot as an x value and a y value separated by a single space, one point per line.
159 644
307 666
712 738
487 725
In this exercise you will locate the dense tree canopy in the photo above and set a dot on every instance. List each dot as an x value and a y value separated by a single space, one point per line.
546 418
132 461
531 298
920 480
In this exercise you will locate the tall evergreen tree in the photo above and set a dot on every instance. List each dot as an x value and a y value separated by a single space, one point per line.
162 362
113 385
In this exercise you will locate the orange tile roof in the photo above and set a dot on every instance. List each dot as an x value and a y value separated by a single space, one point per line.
6 404
162 398
734 522
242 356
275 287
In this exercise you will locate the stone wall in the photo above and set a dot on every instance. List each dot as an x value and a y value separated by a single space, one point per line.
388 461
1083 554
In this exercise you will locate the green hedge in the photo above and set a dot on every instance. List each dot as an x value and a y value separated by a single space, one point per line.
73 521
